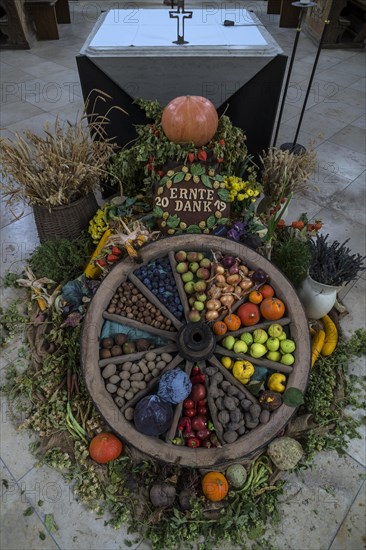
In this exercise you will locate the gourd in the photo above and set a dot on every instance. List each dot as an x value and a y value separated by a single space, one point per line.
331 336
190 119
215 486
317 343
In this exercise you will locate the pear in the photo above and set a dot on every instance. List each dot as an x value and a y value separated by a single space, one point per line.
247 338
258 350
288 359
288 346
274 356
275 330
240 347
273 344
260 336
228 342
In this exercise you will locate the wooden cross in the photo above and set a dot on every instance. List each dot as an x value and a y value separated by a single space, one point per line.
180 14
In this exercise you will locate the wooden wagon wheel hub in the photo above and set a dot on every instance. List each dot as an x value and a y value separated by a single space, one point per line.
178 343
196 342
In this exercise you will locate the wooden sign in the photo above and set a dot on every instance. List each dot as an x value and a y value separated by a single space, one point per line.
191 199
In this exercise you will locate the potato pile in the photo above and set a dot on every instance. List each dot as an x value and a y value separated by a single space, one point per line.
125 380
129 302
235 414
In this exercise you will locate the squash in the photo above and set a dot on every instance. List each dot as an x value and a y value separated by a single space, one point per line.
331 336
190 119
317 342
92 271
215 486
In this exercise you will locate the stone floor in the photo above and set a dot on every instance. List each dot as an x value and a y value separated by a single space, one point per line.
325 507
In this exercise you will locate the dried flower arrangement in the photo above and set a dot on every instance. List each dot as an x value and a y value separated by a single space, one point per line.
297 168
57 168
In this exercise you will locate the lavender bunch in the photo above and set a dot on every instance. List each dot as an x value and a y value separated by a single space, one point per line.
333 264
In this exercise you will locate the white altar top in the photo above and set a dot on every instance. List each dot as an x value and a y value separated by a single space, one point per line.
151 32
135 49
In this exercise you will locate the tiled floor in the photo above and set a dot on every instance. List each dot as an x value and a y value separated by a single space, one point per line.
325 508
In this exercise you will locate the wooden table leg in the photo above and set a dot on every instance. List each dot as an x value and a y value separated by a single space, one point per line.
63 11
45 20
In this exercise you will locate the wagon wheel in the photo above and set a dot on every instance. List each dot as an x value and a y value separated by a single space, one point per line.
187 343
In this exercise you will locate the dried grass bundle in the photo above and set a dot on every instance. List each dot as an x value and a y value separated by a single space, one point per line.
58 167
285 172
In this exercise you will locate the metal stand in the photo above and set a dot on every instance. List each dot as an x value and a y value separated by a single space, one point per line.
302 7
294 144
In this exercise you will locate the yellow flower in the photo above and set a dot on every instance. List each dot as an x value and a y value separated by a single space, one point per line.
241 197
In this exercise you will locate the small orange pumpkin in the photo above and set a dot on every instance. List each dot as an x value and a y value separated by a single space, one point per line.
255 297
232 321
190 119
105 447
249 314
272 309
215 486
219 328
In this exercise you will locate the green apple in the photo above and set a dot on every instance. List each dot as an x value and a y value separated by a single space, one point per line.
182 267
260 336
275 330
194 266
274 355
187 277
282 336
273 344
189 287
202 298
228 342
200 286
199 306
288 359
240 347
288 346
258 350
247 338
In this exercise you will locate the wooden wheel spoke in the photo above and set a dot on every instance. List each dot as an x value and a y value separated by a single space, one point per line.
178 281
154 300
265 324
119 359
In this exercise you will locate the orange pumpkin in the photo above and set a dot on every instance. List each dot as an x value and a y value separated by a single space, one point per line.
219 328
267 291
190 119
249 314
255 297
105 447
272 309
215 486
232 322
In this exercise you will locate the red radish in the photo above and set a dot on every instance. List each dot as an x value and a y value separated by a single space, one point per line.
203 434
188 404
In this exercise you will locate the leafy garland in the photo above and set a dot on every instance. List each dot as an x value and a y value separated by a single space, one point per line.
121 487
139 167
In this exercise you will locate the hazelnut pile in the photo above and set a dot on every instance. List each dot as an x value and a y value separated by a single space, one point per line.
129 302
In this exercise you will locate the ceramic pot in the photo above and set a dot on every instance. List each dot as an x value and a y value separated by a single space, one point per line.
317 298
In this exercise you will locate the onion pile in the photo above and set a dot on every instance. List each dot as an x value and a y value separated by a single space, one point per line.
230 283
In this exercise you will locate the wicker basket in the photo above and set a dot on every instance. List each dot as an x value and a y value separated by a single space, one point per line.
64 221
